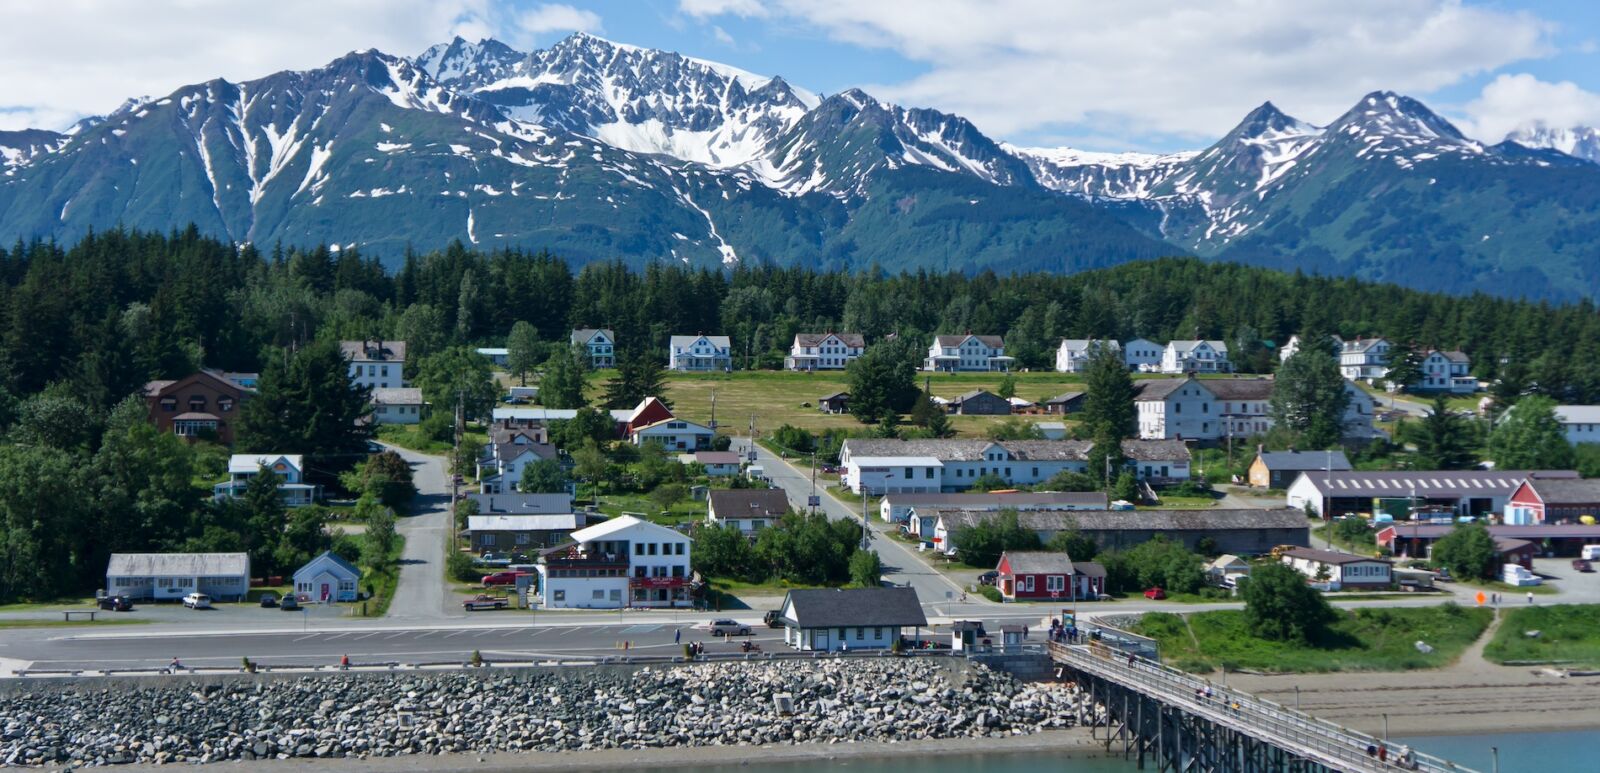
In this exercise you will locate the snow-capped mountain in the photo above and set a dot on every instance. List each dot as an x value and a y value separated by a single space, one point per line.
1577 141
20 147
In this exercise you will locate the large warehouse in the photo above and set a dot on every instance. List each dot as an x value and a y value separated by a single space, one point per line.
1467 492
1240 532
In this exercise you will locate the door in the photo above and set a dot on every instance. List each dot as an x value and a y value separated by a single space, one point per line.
326 594
819 639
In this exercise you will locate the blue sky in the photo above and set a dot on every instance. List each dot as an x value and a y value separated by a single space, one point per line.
1149 75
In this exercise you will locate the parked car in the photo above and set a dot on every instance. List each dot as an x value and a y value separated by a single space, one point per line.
502 579
374 447
514 400
725 628
1582 565
1155 594
197 601
773 618
289 603
828 469
116 603
269 600
484 601
989 577
494 559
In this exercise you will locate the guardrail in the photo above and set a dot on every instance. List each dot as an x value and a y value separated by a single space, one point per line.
1296 731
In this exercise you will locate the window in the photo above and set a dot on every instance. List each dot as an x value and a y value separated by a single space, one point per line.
1055 582
616 594
225 404
169 404
877 633
928 473
560 595
842 635
1177 407
678 548
638 548
652 548
197 402
599 595
1027 583
861 633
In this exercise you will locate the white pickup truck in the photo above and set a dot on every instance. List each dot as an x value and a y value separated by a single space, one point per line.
485 601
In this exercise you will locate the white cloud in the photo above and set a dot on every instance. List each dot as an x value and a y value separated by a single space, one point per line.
558 17
69 58
722 35
1511 101
1162 67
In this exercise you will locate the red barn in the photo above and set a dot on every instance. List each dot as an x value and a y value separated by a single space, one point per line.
1041 575
649 411
1553 500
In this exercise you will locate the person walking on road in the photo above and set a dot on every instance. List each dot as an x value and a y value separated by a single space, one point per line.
676 635
1530 597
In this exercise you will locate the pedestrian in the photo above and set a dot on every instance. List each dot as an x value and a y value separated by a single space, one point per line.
1530 597
1024 632
344 662
677 634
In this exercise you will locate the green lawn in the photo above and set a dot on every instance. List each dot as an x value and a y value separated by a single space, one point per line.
1568 633
35 606
1361 640
410 436
1183 503
382 581
6 624
688 510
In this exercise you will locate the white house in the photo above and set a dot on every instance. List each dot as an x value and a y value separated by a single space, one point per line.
1364 359
497 355
897 508
327 578
1214 409
717 464
623 562
1581 422
675 435
1227 569
375 363
1446 372
699 352
507 455
1289 349
288 467
1195 357
171 576
599 343
751 509
884 466
843 619
962 353
1072 354
1143 355
824 351
1340 570
1179 408
397 405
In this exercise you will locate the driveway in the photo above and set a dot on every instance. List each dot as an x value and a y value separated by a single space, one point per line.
420 595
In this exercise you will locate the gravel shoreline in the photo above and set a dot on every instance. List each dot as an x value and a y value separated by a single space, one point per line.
518 715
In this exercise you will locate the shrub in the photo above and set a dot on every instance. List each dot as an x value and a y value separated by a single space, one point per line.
461 569
991 593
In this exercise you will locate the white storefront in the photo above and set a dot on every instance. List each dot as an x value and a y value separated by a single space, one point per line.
623 562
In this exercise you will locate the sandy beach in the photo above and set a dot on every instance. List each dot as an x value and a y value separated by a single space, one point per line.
1075 742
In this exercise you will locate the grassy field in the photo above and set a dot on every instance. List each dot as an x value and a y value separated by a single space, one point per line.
6 624
614 505
1568 633
383 581
1361 640
56 604
410 436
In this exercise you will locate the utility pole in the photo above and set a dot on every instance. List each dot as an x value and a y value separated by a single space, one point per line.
455 475
812 497
713 410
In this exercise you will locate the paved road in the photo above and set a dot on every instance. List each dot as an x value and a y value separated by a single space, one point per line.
899 563
421 595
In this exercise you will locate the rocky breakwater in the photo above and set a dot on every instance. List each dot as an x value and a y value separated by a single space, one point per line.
381 715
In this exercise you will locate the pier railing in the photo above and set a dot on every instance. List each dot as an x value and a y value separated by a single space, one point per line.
1294 731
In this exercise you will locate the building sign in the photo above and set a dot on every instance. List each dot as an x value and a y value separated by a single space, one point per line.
657 582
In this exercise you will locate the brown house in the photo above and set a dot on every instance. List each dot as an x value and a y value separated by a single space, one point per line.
200 403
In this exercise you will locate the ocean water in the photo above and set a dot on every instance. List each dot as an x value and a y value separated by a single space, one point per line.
1519 753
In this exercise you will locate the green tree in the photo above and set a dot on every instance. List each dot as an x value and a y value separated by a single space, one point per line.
638 376
982 543
1015 429
56 419
44 524
305 403
545 476
1530 437
587 425
1108 408
1444 439
1468 552
1125 487
265 519
1280 606
881 381
1405 365
386 475
1309 397
563 384
379 540
866 569
1008 386
590 464
668 494
522 349
1071 481
723 551
424 330
1075 544
458 373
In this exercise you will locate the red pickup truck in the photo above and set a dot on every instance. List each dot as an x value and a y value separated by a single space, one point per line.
502 578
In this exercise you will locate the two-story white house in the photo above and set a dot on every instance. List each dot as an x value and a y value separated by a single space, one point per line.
928 466
599 343
1581 422
1364 359
507 456
623 562
1143 355
1186 356
397 405
288 468
824 351
1446 372
674 434
967 353
699 353
1214 409
376 364
1072 354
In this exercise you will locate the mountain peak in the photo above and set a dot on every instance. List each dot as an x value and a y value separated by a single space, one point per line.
1267 122
1389 114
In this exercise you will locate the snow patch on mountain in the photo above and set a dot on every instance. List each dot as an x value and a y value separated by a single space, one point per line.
1576 141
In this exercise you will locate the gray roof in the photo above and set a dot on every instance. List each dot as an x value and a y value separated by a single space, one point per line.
993 342
959 450
1188 345
510 450
1455 356
1240 388
1457 483
974 394
178 564
582 335
1156 389
1578 414
1357 345
522 504
1567 491
720 342
980 501
1290 461
1331 556
373 351
842 607
1534 533
1064 397
750 503
1120 520
1037 562
334 557
567 522
1155 450
815 339
396 396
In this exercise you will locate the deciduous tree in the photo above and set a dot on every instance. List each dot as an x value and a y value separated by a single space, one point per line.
1530 437
1280 606
1309 397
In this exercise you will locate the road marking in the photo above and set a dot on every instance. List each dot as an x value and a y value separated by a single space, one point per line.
338 636
396 635
429 633
457 633
510 632
537 631
571 630
308 636
642 628
367 636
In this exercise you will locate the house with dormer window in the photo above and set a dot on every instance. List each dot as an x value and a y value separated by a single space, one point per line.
1364 359
599 343
699 353
203 403
1446 372
1072 354
967 353
824 351
288 468
375 364
1195 357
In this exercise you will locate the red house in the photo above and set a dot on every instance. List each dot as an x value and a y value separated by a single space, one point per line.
649 411
1553 500
1041 575
204 402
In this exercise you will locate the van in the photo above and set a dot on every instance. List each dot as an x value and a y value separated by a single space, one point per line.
1591 553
